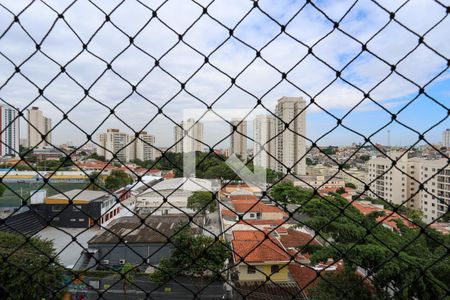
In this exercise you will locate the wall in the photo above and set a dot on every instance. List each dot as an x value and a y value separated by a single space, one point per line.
134 255
281 276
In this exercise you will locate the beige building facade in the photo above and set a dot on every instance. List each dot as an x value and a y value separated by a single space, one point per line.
238 138
190 142
264 131
290 139
38 125
401 183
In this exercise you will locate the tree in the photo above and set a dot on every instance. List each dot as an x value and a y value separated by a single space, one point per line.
340 191
96 181
95 156
350 185
22 257
2 189
66 161
127 275
395 260
117 179
344 284
192 255
202 201
286 192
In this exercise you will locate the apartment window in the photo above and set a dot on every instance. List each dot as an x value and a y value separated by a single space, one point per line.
251 269
81 220
274 269
73 220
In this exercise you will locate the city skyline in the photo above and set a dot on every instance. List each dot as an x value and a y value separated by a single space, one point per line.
157 88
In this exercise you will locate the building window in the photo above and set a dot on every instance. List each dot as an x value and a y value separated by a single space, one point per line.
274 269
73 220
251 269
56 208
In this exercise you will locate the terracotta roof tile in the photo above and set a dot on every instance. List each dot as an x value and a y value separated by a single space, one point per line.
295 238
252 246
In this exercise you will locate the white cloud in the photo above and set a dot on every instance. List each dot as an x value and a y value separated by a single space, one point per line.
209 84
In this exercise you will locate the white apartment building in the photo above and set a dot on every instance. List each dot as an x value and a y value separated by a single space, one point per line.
38 125
114 142
142 147
290 141
401 183
190 142
238 138
446 138
9 131
264 130
126 147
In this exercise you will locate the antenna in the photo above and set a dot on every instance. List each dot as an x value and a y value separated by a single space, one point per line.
389 138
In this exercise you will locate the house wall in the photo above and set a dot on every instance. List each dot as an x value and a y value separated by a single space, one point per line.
262 271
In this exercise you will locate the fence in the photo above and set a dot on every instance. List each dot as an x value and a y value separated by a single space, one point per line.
130 221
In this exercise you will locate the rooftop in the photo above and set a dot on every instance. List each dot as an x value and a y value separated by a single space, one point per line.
296 238
80 195
252 246
183 183
157 229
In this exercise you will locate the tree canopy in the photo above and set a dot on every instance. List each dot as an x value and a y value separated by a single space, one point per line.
192 255
117 179
34 257
410 263
202 201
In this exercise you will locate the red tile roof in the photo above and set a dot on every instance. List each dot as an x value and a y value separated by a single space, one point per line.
263 222
244 197
242 206
295 238
388 219
306 277
252 246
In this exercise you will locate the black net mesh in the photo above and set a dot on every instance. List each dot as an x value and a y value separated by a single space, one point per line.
128 219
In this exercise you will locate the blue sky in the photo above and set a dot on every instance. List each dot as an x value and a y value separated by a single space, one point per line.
210 82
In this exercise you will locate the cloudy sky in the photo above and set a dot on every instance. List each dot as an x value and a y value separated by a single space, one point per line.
156 37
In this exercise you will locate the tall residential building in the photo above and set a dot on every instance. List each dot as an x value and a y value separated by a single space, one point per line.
446 138
38 125
114 142
400 184
142 148
238 138
290 135
264 130
190 142
9 131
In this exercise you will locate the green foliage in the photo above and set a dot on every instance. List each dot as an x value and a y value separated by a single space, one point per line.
202 201
2 189
66 161
192 255
117 179
364 157
340 191
29 257
350 185
98 183
96 157
330 150
395 259
342 285
127 275
286 192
